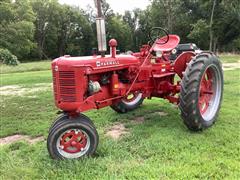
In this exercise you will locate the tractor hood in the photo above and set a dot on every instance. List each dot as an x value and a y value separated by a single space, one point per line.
96 62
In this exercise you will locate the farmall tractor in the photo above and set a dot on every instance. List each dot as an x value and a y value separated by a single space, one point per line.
124 81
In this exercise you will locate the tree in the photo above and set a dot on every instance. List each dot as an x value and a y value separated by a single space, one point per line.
211 24
118 29
61 29
132 19
16 27
46 29
199 33
80 36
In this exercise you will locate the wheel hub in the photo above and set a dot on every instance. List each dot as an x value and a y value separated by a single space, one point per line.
206 91
73 141
209 93
131 97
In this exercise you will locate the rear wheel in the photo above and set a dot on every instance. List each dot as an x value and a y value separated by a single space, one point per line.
72 139
129 103
201 92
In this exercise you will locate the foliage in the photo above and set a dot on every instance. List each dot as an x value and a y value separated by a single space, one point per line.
44 29
198 34
16 27
119 30
61 29
6 57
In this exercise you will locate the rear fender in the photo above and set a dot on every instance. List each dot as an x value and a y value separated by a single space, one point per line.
181 62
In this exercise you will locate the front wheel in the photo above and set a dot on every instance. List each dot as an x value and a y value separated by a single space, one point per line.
72 139
128 103
201 92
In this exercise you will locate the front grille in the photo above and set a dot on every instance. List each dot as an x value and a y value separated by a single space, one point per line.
66 74
66 86
54 84
66 82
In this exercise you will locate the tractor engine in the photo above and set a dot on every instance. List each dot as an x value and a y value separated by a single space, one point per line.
87 81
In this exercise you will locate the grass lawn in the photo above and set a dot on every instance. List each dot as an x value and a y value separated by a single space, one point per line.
23 67
229 58
159 148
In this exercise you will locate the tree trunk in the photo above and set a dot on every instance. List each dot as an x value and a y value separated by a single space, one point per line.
169 15
210 26
215 45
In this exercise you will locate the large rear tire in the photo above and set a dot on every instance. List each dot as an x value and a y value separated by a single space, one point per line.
129 103
201 92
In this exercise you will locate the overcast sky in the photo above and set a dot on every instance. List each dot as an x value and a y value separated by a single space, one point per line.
117 5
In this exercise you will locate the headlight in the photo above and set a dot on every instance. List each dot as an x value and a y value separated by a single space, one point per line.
56 68
159 54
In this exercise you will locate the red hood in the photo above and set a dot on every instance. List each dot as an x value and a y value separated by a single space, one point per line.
97 62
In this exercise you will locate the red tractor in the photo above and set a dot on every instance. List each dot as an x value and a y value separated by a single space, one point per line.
124 81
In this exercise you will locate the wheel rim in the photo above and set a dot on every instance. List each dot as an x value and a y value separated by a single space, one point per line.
73 143
132 98
209 92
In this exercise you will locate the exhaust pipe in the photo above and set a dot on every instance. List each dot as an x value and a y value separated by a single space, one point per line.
101 31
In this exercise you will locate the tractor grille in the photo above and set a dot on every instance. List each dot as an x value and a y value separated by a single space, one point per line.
54 84
66 89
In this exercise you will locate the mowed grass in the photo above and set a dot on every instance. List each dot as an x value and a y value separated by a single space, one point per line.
229 58
24 67
159 148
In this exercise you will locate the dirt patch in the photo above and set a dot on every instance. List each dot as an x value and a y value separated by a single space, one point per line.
16 90
116 131
119 129
19 137
231 66
175 106
139 120
160 113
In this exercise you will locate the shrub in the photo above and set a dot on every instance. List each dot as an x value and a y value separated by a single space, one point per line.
6 57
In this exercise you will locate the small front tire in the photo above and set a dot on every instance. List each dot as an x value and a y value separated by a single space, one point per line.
72 139
64 117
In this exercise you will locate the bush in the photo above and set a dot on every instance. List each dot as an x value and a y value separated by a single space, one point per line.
6 57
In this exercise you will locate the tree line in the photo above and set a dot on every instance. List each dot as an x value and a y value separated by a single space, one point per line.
43 29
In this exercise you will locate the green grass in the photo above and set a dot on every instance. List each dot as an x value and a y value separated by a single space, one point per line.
31 77
229 58
23 67
159 148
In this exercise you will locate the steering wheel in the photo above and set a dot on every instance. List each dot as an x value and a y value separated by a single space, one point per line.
157 33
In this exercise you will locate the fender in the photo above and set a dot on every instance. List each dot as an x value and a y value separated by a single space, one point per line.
181 62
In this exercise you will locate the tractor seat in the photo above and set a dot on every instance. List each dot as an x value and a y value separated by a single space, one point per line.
171 44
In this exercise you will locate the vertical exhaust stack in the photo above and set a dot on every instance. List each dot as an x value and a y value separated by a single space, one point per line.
101 31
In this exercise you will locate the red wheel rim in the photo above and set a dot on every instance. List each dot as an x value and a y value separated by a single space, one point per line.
73 143
206 91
